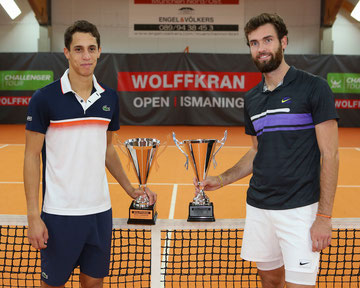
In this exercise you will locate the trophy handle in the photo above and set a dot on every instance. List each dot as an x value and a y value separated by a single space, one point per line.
163 146
222 142
177 143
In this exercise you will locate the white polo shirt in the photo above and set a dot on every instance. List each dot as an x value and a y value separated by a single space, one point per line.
74 175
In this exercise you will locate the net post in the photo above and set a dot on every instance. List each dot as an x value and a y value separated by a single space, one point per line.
155 256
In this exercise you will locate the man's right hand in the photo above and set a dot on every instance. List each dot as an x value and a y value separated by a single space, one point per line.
37 233
211 183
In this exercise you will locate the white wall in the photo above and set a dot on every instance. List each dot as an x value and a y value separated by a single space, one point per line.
346 34
111 17
112 21
20 34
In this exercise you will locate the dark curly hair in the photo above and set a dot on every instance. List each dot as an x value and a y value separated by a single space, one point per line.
81 26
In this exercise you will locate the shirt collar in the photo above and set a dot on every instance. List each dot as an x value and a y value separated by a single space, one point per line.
265 87
66 86
289 77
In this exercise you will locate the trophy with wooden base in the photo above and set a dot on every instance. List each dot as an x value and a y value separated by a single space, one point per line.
142 152
200 152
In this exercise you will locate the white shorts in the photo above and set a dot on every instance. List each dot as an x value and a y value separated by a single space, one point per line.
282 237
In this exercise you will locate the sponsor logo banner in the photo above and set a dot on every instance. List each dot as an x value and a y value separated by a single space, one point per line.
30 80
14 100
187 81
347 103
186 18
344 82
188 101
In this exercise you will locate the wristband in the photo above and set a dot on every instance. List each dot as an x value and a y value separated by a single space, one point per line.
325 216
221 181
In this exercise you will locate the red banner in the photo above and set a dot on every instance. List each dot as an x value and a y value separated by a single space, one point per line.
187 81
347 103
14 100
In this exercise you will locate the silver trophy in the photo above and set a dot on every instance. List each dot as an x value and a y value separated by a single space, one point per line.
200 153
142 152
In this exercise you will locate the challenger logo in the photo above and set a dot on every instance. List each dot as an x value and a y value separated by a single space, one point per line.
335 84
344 82
25 80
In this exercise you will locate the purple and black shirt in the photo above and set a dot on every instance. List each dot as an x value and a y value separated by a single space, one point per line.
286 169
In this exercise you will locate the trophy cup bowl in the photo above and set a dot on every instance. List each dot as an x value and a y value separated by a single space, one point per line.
200 153
142 152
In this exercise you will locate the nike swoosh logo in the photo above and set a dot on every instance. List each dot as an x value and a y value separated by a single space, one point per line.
304 263
285 100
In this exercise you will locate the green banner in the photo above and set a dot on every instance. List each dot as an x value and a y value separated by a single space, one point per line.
25 80
344 82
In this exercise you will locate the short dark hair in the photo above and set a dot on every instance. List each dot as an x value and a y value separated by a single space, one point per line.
266 18
81 26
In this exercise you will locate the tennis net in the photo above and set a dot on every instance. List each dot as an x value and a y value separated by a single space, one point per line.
177 253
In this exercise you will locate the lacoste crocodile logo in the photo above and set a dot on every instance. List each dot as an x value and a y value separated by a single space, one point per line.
44 275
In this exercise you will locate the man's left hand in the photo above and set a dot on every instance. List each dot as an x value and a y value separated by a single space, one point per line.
321 233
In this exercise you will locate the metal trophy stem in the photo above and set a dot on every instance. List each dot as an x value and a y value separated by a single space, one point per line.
200 153
142 152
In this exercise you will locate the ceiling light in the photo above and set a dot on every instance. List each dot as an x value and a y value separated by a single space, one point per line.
11 8
356 12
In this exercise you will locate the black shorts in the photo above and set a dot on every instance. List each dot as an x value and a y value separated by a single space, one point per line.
83 241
